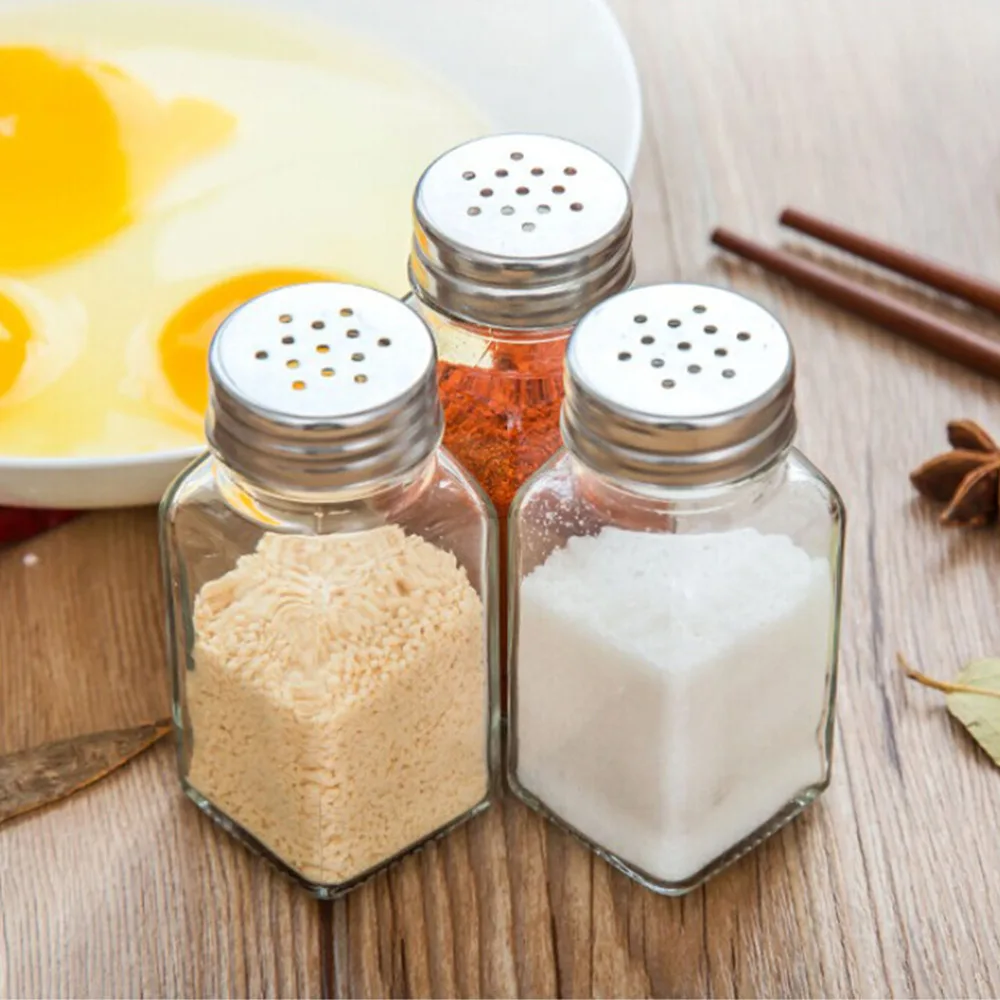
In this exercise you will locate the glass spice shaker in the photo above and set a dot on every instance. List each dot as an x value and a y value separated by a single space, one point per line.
675 582
515 238
329 571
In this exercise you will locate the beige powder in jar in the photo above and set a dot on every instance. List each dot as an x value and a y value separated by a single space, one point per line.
338 701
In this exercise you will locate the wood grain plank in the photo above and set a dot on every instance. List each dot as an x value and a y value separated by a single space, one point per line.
126 889
878 116
875 151
81 639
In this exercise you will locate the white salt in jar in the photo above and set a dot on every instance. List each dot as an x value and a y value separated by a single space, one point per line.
330 574
676 572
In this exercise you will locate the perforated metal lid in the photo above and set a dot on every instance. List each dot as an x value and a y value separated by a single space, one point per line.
521 232
679 385
323 385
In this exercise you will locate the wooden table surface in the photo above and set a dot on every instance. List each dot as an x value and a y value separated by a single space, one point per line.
880 115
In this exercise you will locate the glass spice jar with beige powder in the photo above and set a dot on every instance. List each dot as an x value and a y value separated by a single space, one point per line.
329 571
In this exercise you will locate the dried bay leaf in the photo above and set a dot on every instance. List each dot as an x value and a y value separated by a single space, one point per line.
30 779
973 698
980 715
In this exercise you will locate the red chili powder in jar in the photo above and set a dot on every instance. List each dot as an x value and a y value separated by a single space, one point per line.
502 421
502 424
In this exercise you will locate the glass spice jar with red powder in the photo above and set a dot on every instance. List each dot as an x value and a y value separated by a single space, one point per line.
516 237
502 413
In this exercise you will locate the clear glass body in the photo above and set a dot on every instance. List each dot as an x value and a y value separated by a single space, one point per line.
672 661
333 660
501 391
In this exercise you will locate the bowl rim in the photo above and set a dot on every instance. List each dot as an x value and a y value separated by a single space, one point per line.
62 463
636 107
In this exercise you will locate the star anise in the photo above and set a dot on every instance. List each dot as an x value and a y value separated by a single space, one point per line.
967 478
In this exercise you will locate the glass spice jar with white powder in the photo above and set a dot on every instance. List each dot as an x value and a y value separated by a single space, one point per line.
329 575
676 572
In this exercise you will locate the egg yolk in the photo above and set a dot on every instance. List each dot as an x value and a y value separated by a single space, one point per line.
14 336
184 340
81 144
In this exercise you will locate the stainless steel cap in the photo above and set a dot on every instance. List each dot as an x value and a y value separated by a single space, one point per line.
320 386
521 232
679 385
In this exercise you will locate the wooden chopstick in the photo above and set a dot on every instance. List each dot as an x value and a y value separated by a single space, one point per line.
948 339
929 272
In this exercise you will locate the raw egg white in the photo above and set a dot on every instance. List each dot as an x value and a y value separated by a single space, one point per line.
163 163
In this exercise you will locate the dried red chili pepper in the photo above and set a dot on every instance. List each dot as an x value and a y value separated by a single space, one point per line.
20 523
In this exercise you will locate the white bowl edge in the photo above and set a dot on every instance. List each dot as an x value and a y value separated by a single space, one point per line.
140 479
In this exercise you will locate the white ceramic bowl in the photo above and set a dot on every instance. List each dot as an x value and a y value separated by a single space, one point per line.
556 66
